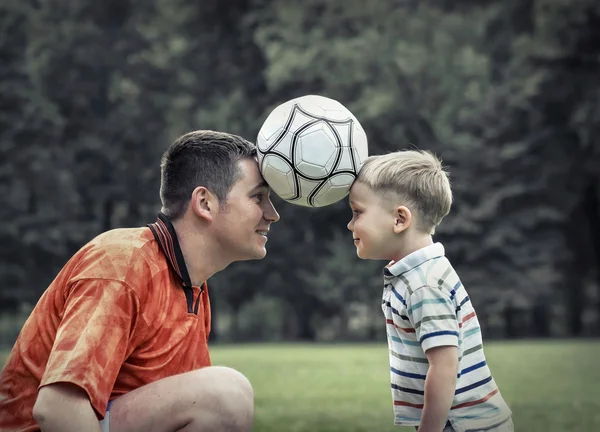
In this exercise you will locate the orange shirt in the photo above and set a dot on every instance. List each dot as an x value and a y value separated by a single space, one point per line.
122 313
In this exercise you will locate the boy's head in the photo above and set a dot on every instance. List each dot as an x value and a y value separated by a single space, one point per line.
397 193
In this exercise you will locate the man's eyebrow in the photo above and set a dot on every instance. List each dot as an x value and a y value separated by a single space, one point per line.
262 185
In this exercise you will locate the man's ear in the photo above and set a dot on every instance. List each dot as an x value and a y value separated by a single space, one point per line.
204 203
402 219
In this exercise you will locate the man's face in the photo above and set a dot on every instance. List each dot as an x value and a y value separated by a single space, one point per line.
245 217
371 225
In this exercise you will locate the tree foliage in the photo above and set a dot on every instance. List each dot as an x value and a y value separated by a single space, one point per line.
505 92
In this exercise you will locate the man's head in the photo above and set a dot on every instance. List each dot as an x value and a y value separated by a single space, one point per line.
200 158
211 181
395 192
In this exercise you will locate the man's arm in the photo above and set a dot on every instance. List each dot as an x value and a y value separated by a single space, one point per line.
440 386
92 341
64 407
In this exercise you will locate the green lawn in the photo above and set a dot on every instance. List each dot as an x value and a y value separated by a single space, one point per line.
550 386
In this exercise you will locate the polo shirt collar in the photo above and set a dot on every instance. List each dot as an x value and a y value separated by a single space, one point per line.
414 259
165 235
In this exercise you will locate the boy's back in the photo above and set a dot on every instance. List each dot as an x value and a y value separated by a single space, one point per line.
426 306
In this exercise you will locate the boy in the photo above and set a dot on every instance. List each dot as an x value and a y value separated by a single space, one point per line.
439 376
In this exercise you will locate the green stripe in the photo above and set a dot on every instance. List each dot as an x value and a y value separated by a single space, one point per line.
427 301
404 341
408 358
471 332
443 278
434 318
472 350
407 283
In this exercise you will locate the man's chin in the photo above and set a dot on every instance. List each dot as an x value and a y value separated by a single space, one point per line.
257 254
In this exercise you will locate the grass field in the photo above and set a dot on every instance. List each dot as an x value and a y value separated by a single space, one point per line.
550 386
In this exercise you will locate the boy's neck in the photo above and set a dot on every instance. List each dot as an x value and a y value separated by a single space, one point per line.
412 244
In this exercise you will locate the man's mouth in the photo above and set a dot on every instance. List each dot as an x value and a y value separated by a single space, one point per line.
262 232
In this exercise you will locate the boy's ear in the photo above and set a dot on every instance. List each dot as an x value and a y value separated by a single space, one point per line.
402 219
204 203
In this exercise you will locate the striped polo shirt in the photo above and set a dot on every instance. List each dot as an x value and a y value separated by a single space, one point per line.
426 306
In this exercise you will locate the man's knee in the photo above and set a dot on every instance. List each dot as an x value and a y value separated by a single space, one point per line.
231 398
215 399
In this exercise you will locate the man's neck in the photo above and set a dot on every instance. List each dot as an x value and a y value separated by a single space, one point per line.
201 257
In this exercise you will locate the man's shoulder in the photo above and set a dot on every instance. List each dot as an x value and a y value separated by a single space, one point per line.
123 238
129 255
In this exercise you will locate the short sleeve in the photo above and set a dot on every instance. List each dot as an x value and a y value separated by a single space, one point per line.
92 339
433 316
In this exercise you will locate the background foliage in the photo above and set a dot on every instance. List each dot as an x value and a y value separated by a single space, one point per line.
506 92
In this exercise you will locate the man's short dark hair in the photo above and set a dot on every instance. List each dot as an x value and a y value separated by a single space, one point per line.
200 158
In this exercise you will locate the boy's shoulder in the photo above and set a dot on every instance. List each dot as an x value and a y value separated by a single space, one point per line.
429 267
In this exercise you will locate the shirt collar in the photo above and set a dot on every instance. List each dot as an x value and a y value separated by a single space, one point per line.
165 235
414 259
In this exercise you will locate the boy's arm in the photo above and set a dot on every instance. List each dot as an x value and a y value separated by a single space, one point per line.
440 385
432 313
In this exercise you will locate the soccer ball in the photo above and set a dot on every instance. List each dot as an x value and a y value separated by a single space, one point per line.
310 150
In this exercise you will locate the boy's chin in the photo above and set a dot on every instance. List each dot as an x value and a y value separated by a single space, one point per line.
363 255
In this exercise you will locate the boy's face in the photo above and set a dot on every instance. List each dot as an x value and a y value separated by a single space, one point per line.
372 224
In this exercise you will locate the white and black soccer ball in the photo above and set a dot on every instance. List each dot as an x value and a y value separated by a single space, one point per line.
310 150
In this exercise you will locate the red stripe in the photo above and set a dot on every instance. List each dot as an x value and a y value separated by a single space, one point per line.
466 318
401 403
405 330
477 402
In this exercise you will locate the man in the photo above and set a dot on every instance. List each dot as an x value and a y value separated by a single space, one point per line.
118 342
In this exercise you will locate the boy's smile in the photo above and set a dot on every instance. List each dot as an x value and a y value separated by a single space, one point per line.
372 224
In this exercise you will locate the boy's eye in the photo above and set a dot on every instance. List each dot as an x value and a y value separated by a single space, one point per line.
355 212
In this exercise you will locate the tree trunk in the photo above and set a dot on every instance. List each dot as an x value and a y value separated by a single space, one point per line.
306 332
541 320
593 212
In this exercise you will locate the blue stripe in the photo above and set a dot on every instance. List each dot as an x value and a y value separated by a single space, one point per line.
465 300
439 333
412 375
426 301
408 374
408 390
455 289
474 385
472 368
394 310
404 341
398 296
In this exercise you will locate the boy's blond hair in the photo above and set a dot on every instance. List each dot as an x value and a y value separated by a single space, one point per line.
414 178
